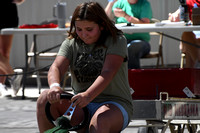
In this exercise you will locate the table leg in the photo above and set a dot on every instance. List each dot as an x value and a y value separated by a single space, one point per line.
36 63
26 66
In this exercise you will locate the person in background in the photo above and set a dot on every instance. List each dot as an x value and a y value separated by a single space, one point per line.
9 19
96 52
136 12
192 53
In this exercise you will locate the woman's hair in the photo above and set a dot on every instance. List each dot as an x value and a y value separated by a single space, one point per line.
92 11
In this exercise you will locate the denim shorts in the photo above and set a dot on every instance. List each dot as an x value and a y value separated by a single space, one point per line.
92 108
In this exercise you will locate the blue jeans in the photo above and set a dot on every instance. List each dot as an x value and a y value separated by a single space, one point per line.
136 50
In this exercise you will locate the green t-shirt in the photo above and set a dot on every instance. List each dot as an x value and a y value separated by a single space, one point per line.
142 9
86 63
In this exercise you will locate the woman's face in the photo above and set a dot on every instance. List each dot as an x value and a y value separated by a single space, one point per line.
88 31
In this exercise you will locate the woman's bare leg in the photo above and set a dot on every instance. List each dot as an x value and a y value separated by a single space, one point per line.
43 122
57 109
5 47
192 53
107 119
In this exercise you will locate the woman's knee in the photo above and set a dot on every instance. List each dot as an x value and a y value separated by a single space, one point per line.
99 117
138 46
105 119
99 123
42 100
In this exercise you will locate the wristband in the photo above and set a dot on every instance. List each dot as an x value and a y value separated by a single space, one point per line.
110 0
54 85
129 19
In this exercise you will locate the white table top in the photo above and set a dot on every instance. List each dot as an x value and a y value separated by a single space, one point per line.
35 31
154 28
126 29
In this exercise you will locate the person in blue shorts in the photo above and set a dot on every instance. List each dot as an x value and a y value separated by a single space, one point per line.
96 53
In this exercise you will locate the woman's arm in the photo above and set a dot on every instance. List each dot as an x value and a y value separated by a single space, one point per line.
110 68
120 13
136 20
108 9
55 74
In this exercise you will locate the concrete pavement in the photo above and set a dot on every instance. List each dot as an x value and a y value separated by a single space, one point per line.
19 116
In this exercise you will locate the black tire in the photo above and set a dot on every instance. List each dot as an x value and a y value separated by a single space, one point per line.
72 128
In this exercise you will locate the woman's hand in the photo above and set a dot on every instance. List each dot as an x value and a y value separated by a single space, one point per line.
54 94
174 17
81 100
119 12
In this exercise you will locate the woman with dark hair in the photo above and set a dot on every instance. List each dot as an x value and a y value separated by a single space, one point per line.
96 53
